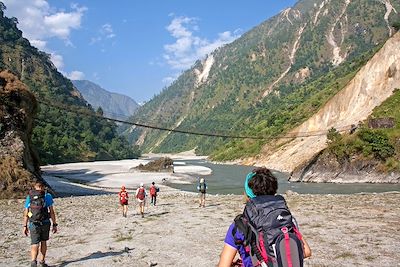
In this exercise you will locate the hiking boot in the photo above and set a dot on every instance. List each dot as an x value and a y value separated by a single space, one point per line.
43 264
142 215
33 263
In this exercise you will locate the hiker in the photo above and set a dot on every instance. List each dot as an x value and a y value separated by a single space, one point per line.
202 188
38 212
265 234
153 193
141 198
123 200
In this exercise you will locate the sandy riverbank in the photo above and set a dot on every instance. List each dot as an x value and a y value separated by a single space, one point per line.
110 175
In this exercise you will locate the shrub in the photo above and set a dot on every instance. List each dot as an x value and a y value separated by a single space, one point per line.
376 142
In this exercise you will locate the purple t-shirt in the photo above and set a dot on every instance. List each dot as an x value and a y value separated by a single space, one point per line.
229 240
246 258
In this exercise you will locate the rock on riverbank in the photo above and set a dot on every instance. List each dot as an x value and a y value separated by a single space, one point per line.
325 168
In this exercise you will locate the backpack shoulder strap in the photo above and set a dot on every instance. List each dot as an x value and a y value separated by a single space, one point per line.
241 225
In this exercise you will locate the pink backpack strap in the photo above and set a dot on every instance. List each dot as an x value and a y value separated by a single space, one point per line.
287 246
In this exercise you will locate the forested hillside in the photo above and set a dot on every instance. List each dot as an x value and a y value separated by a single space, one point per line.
268 81
58 136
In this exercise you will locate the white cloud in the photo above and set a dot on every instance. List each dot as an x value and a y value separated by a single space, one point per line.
57 60
75 75
60 24
39 44
105 32
39 21
188 47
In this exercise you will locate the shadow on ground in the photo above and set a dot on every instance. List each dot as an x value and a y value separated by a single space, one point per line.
96 255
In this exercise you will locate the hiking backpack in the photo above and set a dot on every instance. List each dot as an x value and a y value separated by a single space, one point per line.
153 190
123 197
202 187
38 210
141 195
270 234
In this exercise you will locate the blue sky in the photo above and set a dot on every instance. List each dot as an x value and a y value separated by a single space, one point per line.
135 47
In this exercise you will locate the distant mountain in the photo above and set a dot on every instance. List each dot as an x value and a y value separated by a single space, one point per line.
270 80
114 105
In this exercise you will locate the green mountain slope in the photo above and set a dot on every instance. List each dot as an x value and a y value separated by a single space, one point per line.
269 80
59 136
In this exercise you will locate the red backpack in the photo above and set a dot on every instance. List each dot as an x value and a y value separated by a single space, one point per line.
153 191
141 194
123 197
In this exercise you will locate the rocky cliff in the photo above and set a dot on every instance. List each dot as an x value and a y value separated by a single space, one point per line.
374 83
19 164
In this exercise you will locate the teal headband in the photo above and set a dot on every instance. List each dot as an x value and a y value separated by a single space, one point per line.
248 190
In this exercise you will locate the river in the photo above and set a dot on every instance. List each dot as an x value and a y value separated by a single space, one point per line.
228 179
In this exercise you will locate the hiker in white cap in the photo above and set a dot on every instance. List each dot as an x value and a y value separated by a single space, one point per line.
141 198
202 187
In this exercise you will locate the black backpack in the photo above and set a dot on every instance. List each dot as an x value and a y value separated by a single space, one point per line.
202 187
38 207
271 237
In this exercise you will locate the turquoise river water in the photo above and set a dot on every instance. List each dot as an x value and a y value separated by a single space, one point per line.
228 179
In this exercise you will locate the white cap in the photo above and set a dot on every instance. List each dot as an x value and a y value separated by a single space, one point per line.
141 184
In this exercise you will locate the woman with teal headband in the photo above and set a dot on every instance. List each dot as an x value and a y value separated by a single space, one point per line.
258 183
247 189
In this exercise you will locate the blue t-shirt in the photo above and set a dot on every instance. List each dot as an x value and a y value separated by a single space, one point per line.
48 202
229 240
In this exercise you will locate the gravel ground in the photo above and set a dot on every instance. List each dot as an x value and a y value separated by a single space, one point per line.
342 230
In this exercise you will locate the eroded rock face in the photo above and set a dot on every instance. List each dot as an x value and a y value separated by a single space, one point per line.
19 166
325 167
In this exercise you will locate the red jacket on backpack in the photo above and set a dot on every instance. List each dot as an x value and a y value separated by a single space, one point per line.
153 190
123 197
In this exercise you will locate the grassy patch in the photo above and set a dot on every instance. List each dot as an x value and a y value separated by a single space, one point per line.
119 237
318 225
370 258
345 255
81 241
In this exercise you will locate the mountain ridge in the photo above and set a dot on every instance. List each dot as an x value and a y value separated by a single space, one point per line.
114 105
